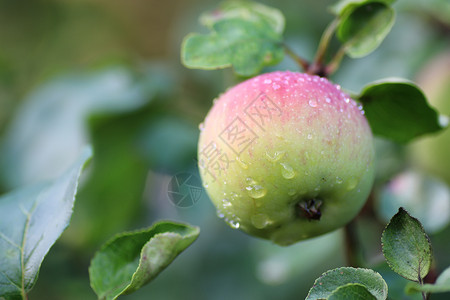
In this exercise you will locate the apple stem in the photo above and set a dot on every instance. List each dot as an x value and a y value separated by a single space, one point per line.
352 245
303 63
335 61
324 42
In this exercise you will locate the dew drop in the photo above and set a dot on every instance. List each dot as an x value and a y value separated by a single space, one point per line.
233 224
339 180
328 100
287 171
347 100
220 214
267 81
256 191
277 155
250 180
352 184
312 103
201 126
309 136
226 203
260 221
443 120
275 86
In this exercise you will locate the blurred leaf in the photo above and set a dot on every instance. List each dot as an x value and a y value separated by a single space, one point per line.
50 127
131 260
442 285
351 291
331 280
425 197
397 109
406 246
363 28
245 10
342 7
168 143
31 220
246 36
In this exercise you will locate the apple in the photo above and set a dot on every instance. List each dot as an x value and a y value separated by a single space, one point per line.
286 156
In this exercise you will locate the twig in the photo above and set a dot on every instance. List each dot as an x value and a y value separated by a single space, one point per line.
303 63
351 244
333 65
325 41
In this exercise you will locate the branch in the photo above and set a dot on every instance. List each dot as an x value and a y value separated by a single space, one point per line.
303 63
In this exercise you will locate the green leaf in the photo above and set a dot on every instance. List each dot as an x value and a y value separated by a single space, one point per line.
406 246
245 10
363 28
130 260
398 110
442 285
50 127
351 291
342 7
31 220
331 280
247 42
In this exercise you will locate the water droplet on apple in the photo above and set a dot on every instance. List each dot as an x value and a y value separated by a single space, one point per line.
352 183
220 214
287 171
267 81
260 221
309 136
339 180
201 126
256 191
275 86
347 100
312 103
443 120
328 100
277 155
226 203
250 180
233 223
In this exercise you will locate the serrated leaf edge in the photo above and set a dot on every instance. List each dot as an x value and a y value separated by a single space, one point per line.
423 230
316 282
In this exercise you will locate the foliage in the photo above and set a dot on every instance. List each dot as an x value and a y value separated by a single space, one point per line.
140 120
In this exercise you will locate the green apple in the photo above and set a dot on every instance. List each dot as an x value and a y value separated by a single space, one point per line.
286 156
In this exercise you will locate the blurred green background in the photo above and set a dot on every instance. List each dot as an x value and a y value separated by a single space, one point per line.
108 73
